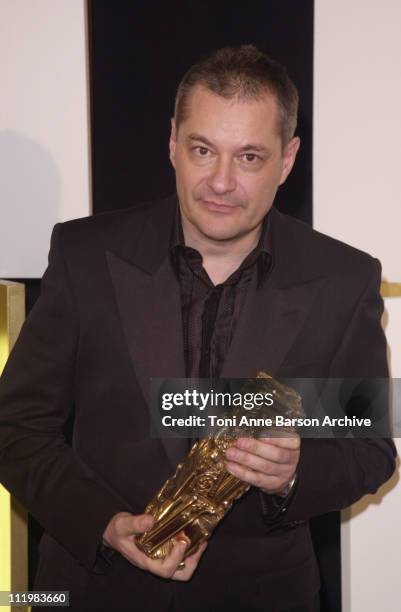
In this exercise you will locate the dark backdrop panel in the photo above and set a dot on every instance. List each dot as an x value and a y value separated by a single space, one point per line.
139 52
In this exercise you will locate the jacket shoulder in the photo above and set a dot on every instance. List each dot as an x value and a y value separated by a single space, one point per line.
322 253
114 219
121 231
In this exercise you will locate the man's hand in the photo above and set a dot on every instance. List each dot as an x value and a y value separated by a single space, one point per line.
120 533
267 463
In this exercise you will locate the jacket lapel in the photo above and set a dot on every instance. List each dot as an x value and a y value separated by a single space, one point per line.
269 323
149 304
150 311
275 312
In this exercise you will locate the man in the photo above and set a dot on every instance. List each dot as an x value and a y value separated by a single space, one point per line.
218 283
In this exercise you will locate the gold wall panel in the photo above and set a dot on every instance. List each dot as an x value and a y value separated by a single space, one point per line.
13 517
390 289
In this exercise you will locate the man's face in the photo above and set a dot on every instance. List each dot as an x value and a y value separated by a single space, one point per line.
229 162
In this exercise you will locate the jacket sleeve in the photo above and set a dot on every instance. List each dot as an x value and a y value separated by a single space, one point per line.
36 400
335 473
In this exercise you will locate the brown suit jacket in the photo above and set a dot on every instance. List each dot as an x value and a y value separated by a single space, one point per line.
108 319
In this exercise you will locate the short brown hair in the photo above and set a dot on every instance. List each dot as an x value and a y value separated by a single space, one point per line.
246 73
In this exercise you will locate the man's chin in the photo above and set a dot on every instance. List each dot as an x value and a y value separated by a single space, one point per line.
218 227
221 234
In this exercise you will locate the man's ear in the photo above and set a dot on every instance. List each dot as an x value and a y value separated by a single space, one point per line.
290 153
173 141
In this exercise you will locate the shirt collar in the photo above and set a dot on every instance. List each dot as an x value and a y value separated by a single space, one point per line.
262 253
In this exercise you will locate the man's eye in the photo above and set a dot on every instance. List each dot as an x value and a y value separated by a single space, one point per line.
201 151
250 157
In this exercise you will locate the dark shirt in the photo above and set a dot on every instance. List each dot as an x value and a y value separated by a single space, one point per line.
210 312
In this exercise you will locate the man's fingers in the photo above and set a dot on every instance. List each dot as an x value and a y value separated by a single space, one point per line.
161 567
256 479
191 563
177 554
250 460
291 441
128 525
245 447
260 463
130 551
125 525
262 458
140 523
170 564
168 567
193 560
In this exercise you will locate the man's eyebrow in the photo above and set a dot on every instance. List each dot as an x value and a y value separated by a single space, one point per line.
258 148
255 147
193 136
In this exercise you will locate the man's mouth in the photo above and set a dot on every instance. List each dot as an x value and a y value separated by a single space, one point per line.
220 206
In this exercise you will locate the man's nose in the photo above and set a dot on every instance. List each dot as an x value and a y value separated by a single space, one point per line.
222 176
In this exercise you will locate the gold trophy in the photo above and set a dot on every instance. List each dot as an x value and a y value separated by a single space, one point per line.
192 502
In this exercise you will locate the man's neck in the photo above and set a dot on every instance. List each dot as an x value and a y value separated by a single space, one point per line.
220 258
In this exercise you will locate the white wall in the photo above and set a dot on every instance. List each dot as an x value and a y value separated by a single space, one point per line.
44 152
357 198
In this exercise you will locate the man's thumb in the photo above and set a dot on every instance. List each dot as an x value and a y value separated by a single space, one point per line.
142 522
